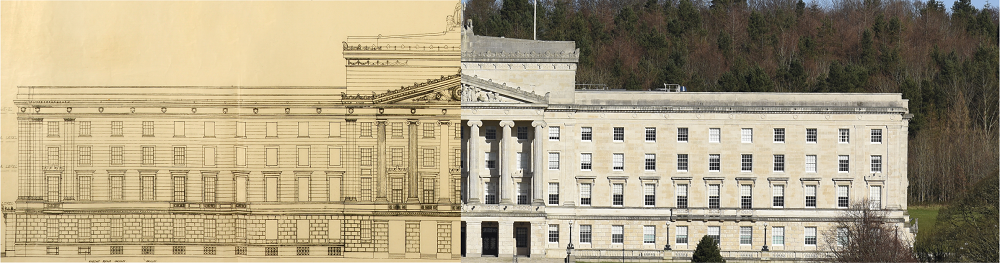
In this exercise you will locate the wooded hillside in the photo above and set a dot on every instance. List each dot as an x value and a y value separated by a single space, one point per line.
944 61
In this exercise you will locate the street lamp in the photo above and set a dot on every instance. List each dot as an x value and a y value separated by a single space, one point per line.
667 246
569 248
765 237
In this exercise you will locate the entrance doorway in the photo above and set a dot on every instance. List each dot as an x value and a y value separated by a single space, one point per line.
491 239
522 238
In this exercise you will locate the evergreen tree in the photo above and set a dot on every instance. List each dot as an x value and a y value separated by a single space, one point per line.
707 251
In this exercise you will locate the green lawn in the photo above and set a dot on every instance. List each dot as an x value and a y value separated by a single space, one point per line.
927 217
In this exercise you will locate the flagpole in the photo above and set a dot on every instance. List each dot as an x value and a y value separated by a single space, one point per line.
534 23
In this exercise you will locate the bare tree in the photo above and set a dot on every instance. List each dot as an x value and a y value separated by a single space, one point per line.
863 234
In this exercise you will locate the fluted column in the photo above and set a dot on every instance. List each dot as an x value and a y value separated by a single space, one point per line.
443 181
474 163
413 178
382 179
538 157
505 166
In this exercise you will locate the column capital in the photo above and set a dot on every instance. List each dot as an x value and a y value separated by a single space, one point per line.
538 124
444 122
506 124
413 122
476 123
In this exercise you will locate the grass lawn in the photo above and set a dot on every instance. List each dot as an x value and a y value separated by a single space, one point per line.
927 217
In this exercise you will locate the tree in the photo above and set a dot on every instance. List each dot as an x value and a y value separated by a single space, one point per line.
707 251
967 229
863 234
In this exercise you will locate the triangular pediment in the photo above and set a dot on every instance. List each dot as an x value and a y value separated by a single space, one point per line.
441 89
478 90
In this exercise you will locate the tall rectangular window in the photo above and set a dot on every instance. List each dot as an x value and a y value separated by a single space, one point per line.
148 190
271 156
810 163
619 134
271 189
209 129
553 233
746 196
876 135
845 136
84 128
778 193
713 196
586 233
335 153
650 134
843 163
53 155
179 188
85 158
491 132
117 193
648 234
875 197
180 156
179 129
148 153
241 129
746 135
682 196
585 192
523 162
366 129
746 163
85 187
586 134
682 134
618 162
810 196
209 188
397 130
746 235
116 128
523 191
302 189
841 236
335 129
714 163
876 163
681 235
649 194
117 155
779 163
522 133
586 161
491 193
53 129
209 156
491 160
811 135
554 193
713 232
617 194
147 128
617 234
241 156
779 135
714 135
553 161
271 129
842 196
682 162
430 153
554 133
810 236
778 236
650 162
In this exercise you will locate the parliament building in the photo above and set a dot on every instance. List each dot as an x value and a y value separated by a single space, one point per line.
644 175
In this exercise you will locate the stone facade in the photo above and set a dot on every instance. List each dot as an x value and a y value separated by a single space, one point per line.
535 143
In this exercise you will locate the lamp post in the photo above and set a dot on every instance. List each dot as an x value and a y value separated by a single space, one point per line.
667 246
765 237
569 248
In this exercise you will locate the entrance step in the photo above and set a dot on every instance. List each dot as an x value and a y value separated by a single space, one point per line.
512 260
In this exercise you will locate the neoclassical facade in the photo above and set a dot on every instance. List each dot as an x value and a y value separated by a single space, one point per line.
367 171
643 175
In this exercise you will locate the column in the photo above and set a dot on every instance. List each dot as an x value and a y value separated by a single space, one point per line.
538 158
413 178
474 153
382 179
505 165
443 191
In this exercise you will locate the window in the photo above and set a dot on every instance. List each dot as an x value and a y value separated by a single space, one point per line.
180 156
209 188
117 157
714 163
332 251
553 161
85 183
148 190
713 135
619 135
180 250
713 232
429 130
843 163
53 155
554 193
811 135
876 163
845 136
810 236
179 129
210 129
585 161
116 187
523 190
116 128
648 234
553 133
746 235
682 235
682 134
746 163
810 163
83 250
617 194
85 129
876 135
779 163
746 196
241 250
778 236
270 251
875 197
179 188
842 196
491 193
713 196
553 233
491 132
397 129
491 160
428 157
117 250
810 196
585 190
147 128
85 157
746 135
778 193
303 129
53 129
842 236
585 234
650 162
682 196
147 155
241 129
366 129
522 133
650 134
617 234
209 251
618 162
779 135
649 192
241 155
586 134
682 162
209 154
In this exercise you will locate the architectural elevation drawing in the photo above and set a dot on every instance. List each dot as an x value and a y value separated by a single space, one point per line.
370 170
